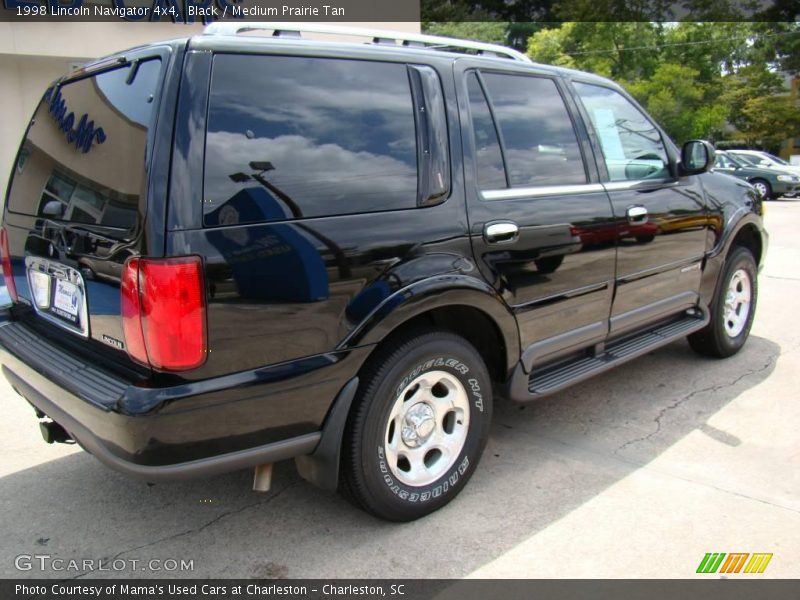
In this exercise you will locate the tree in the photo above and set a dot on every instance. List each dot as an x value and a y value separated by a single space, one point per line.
710 48
551 46
482 31
696 79
712 80
624 51
765 121
681 103
778 44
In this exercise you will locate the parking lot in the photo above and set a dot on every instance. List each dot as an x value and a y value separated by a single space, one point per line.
636 473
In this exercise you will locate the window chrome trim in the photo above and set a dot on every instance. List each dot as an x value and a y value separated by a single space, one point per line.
638 184
543 190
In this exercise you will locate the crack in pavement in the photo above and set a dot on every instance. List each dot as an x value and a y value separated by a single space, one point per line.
195 529
689 396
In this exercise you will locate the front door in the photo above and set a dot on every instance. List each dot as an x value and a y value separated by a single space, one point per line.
541 224
661 219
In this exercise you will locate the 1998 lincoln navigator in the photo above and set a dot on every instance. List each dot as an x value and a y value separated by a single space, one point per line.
231 250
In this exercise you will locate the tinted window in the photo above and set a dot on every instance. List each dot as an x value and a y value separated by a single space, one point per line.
292 137
539 141
632 146
83 160
491 174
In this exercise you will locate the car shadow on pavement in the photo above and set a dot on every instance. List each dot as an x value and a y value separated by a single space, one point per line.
542 461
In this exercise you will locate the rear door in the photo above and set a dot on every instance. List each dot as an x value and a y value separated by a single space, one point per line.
660 219
539 218
77 200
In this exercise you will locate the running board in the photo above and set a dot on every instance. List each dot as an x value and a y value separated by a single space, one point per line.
543 382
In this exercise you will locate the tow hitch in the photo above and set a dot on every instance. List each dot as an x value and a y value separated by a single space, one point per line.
53 432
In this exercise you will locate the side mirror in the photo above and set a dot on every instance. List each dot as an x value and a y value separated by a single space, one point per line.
53 208
697 156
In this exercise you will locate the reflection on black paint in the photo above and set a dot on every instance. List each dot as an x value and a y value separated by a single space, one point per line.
70 191
66 199
273 263
335 136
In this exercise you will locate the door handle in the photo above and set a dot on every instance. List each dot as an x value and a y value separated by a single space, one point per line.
637 215
501 232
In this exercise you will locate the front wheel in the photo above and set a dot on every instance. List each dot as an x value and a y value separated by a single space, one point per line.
763 188
733 308
419 426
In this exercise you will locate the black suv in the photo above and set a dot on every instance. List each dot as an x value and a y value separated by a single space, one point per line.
231 250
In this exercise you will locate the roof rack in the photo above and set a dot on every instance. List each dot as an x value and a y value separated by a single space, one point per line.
379 36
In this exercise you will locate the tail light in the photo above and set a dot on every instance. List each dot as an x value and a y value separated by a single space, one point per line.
8 274
164 312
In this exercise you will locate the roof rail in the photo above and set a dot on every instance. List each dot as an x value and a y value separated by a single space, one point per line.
379 36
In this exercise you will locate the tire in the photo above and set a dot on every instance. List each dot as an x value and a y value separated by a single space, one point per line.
763 188
727 331
436 384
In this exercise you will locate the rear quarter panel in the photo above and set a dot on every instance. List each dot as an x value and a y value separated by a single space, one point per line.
280 291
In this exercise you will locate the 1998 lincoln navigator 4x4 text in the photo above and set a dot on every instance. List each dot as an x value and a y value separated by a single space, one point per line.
230 250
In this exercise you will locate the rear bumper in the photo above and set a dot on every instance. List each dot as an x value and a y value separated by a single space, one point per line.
191 430
268 453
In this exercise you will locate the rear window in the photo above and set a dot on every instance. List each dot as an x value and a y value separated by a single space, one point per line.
83 159
294 137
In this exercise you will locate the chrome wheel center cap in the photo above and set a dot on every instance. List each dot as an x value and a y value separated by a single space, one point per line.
418 425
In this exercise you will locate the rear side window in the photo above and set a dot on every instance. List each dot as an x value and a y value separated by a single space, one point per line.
83 160
294 137
539 140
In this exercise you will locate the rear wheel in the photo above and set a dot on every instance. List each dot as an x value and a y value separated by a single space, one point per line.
418 428
733 308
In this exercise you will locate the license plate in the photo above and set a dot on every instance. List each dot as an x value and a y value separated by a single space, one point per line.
58 294
67 300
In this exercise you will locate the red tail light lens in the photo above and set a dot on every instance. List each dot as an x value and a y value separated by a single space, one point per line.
131 310
164 312
8 274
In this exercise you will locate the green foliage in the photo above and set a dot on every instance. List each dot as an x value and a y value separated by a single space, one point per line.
482 31
681 103
602 48
714 80
699 80
552 46
767 120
